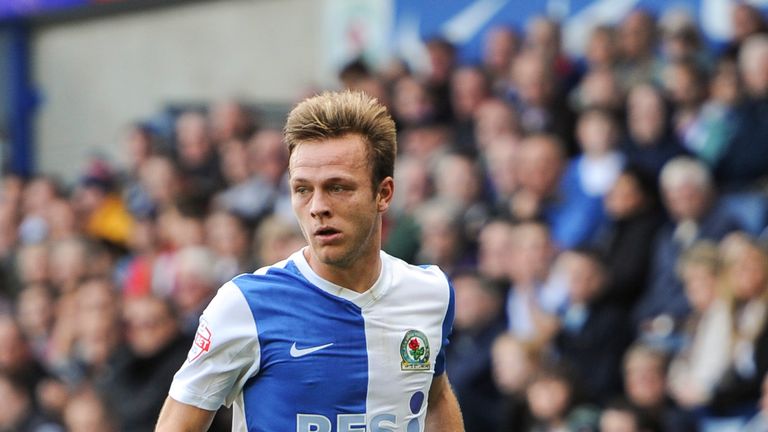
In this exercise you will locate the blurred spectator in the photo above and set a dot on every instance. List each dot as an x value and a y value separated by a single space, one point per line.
402 229
256 193
540 103
227 237
637 45
195 285
620 416
760 421
690 199
645 385
625 241
746 20
554 404
502 165
441 236
601 52
35 312
141 373
230 120
197 158
593 334
17 361
513 364
541 161
87 332
745 163
587 178
412 103
494 119
745 283
493 255
700 364
100 209
85 412
533 300
275 240
543 38
500 46
458 180
477 323
469 88
38 194
442 60
599 89
707 133
19 413
651 141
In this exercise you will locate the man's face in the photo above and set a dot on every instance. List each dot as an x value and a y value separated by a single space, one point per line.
334 202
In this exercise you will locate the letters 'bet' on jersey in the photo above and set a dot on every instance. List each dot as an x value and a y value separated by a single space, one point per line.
295 352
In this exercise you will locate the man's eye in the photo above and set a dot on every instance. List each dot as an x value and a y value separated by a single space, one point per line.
337 188
301 190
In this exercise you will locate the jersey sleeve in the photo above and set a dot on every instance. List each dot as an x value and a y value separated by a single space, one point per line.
224 354
447 329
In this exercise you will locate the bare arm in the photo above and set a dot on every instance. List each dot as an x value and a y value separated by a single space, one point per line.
179 417
443 414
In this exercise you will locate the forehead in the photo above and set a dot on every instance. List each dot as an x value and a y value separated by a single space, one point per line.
329 157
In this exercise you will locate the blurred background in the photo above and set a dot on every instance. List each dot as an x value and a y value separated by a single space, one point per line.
591 174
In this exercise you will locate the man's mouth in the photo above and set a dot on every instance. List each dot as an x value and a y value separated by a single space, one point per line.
327 233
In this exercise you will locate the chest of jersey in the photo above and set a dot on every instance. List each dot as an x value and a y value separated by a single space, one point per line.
329 365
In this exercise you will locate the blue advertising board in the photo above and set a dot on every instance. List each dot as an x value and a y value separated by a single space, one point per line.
464 22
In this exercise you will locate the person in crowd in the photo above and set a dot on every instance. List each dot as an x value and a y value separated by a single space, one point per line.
141 372
745 294
493 251
197 158
35 312
593 334
534 299
554 403
227 237
637 37
645 382
745 163
19 412
477 323
689 197
760 421
620 416
86 411
230 119
195 283
469 89
650 141
500 45
625 241
513 364
587 179
700 364
535 96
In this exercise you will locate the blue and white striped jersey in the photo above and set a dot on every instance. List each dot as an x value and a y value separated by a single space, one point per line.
295 352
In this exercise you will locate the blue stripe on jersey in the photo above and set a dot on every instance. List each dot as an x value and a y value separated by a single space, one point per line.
329 381
447 326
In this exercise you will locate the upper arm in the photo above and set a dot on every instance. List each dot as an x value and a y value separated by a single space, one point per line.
180 417
224 355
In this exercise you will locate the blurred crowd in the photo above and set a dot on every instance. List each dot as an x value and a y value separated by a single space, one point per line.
603 221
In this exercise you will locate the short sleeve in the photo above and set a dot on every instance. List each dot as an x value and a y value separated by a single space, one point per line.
224 354
447 329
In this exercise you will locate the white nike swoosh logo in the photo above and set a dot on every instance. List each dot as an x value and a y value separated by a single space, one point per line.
296 352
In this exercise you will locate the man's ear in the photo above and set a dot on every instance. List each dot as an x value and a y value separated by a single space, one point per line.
384 195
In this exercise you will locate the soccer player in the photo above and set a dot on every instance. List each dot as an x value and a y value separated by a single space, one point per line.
339 337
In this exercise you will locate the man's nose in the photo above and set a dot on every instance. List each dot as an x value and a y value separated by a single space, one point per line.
319 207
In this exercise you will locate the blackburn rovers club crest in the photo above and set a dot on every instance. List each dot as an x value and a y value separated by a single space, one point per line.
414 350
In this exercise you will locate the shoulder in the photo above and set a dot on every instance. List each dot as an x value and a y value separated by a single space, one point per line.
429 274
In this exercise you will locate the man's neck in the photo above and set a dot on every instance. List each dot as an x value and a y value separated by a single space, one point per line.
358 276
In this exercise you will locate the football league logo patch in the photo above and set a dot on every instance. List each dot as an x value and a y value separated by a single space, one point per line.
414 350
202 342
